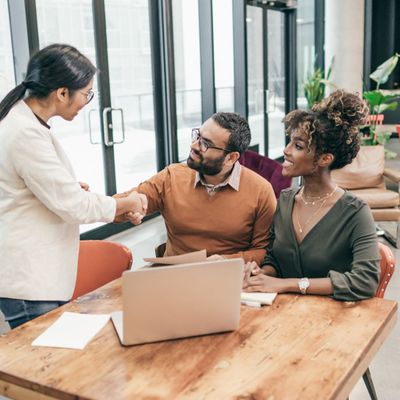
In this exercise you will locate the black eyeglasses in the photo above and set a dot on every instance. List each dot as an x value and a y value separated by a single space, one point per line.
89 95
203 145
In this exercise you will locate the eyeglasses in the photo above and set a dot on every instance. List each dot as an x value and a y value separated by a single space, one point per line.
204 146
89 95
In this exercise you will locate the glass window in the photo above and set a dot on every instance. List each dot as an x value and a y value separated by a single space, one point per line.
255 75
72 22
131 84
276 83
223 54
187 71
305 46
7 77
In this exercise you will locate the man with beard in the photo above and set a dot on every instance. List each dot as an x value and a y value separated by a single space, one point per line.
213 202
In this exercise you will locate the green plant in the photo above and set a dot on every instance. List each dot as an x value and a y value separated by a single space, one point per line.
379 101
314 85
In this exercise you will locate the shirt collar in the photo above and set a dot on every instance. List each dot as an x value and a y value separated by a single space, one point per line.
233 179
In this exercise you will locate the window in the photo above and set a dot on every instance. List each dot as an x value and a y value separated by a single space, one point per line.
7 78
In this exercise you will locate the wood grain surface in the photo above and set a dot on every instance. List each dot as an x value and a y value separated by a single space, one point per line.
301 347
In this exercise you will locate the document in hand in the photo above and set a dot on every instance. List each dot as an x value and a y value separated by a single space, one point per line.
188 258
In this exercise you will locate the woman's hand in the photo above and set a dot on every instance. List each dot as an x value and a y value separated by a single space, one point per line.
138 203
131 206
84 186
264 283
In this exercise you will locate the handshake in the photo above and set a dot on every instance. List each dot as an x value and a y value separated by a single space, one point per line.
131 206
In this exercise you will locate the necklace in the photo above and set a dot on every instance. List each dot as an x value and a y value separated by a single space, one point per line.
317 198
323 200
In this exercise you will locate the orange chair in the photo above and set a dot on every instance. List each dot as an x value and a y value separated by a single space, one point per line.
100 262
388 263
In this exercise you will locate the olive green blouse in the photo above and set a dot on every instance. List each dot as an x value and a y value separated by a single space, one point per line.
342 246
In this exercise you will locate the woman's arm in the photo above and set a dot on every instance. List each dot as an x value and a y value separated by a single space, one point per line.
265 283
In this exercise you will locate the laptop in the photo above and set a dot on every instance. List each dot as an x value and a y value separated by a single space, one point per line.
170 302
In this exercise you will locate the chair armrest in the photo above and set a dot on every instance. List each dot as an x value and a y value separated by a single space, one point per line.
392 174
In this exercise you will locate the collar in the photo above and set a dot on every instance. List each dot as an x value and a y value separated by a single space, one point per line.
233 180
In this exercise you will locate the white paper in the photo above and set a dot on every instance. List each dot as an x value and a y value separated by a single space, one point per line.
256 297
72 330
187 258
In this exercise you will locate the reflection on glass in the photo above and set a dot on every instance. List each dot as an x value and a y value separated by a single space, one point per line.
255 75
276 83
187 71
305 46
223 54
129 56
72 23
7 79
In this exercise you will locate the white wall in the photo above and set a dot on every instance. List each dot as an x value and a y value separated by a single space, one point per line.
344 39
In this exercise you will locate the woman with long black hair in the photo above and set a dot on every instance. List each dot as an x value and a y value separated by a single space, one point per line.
41 202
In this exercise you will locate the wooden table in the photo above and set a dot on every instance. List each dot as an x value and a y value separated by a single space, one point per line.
302 347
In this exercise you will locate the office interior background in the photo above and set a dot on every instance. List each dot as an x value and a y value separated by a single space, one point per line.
165 66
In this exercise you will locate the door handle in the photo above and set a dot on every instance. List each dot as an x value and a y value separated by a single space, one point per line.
108 126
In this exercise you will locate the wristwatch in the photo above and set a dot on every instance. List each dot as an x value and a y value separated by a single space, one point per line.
303 283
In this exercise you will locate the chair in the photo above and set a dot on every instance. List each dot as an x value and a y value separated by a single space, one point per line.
365 177
387 265
269 169
376 119
100 262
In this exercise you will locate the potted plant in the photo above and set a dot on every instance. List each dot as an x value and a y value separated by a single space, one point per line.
314 86
379 101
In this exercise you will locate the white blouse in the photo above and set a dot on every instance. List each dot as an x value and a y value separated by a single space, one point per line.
41 207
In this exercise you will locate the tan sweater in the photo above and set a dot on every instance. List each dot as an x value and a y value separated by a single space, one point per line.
231 223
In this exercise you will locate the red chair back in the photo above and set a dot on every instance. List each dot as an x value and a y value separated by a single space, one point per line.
100 262
388 263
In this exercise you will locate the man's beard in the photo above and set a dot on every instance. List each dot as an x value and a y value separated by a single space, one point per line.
211 167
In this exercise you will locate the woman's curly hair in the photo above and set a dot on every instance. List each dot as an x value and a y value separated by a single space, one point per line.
332 126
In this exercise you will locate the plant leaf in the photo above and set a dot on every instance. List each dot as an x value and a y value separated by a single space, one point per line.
374 97
387 106
381 74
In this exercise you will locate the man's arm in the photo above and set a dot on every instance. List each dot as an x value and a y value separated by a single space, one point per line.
154 189
262 224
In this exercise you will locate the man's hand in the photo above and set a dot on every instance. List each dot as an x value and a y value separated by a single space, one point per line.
84 186
133 206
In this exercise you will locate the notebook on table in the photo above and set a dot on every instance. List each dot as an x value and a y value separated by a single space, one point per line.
176 301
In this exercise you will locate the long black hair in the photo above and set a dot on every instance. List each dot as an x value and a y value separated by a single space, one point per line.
53 67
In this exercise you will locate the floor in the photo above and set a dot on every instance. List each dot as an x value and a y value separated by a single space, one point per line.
385 368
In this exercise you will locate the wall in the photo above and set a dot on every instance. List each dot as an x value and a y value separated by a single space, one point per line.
344 39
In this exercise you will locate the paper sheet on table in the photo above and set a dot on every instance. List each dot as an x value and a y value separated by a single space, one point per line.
196 256
262 298
72 330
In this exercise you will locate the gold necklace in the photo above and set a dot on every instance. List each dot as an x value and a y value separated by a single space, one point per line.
323 199
319 198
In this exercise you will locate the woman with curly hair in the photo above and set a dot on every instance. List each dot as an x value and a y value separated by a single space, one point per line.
323 239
